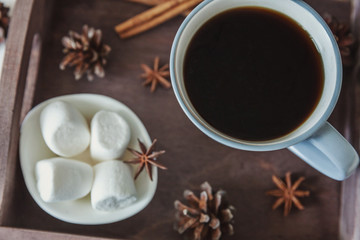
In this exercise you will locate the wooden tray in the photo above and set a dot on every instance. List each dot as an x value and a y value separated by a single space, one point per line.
31 75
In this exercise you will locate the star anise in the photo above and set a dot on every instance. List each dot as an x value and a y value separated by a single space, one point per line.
207 217
344 38
4 21
146 158
287 193
86 52
156 75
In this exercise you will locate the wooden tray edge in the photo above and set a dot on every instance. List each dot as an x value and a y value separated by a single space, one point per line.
19 233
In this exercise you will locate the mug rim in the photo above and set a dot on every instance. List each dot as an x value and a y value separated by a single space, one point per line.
239 143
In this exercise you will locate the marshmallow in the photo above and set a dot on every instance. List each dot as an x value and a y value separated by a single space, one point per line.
60 179
110 135
64 129
113 186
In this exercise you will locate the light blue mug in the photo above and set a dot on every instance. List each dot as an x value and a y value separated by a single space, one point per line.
315 141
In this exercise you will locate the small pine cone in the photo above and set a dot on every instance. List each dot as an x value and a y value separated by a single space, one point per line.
86 52
4 21
207 217
344 38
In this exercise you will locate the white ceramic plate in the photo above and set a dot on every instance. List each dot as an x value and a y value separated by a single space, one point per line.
33 148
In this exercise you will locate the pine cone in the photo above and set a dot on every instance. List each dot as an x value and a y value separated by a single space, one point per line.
344 38
206 217
4 21
86 52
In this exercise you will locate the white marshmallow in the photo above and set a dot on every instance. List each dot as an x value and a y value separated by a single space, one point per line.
110 135
113 186
64 129
60 179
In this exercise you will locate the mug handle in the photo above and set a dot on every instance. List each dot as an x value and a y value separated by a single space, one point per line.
328 152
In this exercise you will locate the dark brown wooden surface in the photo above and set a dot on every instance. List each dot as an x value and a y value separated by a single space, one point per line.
350 216
191 157
12 87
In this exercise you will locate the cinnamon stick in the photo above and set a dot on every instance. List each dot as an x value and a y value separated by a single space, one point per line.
153 17
149 2
147 15
157 2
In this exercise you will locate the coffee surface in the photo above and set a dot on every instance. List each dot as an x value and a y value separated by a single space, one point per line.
253 74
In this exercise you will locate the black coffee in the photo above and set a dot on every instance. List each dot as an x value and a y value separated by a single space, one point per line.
253 73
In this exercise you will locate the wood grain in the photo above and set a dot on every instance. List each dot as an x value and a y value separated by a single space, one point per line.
191 157
11 94
14 234
31 76
350 192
